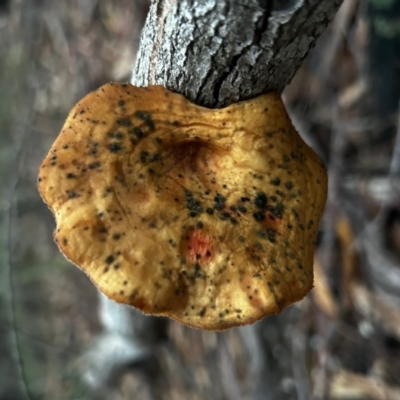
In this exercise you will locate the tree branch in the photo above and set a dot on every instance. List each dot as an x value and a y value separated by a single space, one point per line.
218 52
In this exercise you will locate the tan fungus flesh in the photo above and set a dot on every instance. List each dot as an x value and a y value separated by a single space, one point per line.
207 216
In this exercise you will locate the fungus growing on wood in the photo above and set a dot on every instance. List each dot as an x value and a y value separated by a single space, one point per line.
207 216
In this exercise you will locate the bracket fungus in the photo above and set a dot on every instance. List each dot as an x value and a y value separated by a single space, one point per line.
208 216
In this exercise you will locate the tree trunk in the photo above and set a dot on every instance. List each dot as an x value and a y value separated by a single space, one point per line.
218 52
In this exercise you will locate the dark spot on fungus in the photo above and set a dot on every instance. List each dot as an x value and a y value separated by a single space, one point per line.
271 234
155 157
242 209
202 312
260 200
94 165
259 216
124 122
276 210
219 202
146 117
261 234
143 156
70 176
110 259
138 132
72 194
276 181
299 265
289 185
193 205
114 147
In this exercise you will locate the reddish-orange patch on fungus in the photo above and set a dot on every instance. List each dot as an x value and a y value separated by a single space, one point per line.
198 247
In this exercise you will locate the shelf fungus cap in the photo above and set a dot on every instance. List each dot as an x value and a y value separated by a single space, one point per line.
207 216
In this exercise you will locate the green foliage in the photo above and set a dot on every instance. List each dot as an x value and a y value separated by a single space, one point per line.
383 4
388 28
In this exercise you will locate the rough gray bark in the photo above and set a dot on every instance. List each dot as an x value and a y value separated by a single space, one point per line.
217 52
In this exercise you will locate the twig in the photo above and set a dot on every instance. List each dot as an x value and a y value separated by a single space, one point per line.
393 174
300 374
14 338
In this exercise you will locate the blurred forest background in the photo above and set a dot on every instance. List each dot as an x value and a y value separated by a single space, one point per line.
341 342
